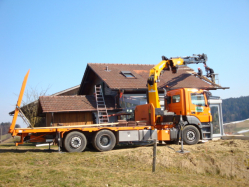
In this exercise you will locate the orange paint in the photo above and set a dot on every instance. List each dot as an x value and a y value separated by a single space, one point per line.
19 103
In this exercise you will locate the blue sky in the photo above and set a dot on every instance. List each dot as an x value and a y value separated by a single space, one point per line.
56 40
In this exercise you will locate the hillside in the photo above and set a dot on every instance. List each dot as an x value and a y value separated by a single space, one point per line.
235 109
237 128
215 163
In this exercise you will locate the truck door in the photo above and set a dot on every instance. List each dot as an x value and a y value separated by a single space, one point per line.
177 104
198 106
217 121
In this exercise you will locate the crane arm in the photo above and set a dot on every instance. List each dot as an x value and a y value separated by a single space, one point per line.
168 64
18 105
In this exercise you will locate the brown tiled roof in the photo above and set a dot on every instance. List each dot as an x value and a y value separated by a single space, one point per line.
72 103
70 91
115 80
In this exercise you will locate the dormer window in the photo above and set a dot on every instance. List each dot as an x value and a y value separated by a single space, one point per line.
127 74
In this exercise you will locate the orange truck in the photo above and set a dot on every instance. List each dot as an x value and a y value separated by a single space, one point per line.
191 105
186 105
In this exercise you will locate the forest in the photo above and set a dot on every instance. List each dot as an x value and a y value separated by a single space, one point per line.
235 109
5 127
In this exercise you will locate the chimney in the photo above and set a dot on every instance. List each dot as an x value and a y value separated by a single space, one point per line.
107 69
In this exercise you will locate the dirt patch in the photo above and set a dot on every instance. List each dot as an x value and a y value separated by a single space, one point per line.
225 158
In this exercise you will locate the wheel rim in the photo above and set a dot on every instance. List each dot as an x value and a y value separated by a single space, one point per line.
76 142
105 141
191 135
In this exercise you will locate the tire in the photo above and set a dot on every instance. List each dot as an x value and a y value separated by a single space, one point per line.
104 140
191 135
75 142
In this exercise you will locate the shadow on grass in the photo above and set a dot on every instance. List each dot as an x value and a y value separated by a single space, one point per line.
117 147
23 148
27 150
30 147
13 145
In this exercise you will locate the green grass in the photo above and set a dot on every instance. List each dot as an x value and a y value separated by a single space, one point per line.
27 165
233 128
5 136
246 134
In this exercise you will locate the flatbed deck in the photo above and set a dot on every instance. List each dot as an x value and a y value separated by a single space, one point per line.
94 127
38 133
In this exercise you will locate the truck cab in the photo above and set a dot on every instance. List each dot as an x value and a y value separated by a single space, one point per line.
193 106
187 103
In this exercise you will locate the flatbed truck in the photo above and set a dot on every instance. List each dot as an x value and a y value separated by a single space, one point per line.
186 105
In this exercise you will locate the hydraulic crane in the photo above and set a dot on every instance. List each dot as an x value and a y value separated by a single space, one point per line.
188 106
167 65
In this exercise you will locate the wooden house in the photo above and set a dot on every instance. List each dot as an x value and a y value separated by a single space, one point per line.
123 86
73 110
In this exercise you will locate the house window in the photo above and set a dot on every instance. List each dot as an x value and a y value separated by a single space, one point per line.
127 74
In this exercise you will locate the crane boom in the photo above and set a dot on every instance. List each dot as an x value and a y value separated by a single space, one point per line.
168 64
18 105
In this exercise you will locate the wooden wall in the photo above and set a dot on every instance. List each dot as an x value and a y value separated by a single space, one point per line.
48 119
69 118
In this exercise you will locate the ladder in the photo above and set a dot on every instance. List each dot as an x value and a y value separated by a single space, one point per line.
102 115
24 118
207 80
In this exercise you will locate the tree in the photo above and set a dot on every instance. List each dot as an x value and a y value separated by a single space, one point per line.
5 127
18 126
30 106
235 109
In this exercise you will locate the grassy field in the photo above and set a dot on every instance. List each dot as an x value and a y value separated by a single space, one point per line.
215 163
233 128
4 137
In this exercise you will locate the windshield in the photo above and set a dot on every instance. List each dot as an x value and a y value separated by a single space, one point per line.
198 99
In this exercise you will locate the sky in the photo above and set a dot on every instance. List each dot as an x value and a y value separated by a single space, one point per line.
56 39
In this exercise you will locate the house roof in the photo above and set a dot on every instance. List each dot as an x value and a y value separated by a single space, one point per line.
69 91
72 103
112 75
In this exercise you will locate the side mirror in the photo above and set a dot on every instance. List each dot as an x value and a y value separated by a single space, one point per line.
168 99
208 94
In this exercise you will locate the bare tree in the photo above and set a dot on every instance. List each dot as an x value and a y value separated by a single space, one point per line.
30 106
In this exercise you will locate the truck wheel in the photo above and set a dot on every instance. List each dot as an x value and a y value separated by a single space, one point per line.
104 140
75 142
191 135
